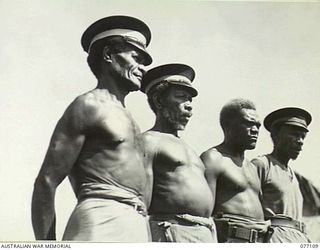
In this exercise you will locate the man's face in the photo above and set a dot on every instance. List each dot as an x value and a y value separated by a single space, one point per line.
129 67
245 128
176 107
289 140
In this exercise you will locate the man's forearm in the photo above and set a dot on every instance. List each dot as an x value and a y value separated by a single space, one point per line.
43 213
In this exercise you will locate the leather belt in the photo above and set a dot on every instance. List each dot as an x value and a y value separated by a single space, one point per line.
176 219
249 235
172 220
284 222
226 231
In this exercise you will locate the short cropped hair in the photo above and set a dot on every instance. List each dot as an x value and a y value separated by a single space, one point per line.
95 56
159 90
231 110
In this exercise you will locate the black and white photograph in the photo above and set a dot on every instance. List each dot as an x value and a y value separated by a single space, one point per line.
185 121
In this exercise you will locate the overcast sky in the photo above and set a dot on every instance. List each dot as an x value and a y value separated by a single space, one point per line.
268 52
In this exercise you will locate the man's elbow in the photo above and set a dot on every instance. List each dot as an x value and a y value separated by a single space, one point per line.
44 184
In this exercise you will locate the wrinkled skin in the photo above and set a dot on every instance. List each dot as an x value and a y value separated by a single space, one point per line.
177 108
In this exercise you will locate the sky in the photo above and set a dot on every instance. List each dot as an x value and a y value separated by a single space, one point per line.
268 52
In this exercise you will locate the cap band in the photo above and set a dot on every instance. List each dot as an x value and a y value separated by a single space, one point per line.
126 33
291 120
169 78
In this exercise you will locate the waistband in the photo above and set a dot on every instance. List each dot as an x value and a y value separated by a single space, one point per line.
249 235
112 192
290 223
243 221
184 219
230 226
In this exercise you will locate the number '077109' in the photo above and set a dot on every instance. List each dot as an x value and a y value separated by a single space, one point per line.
308 245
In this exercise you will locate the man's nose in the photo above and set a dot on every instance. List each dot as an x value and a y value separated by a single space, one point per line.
300 141
188 106
142 68
255 129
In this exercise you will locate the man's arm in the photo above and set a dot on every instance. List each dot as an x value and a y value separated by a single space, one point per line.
211 161
150 151
64 148
262 166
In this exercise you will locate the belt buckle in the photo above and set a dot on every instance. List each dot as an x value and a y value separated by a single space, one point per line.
139 209
298 225
302 227
253 236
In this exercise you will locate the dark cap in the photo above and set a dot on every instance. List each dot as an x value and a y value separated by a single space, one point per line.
132 30
289 116
175 73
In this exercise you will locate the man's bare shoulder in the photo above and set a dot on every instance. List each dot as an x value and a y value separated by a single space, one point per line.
78 110
151 133
152 137
94 99
151 141
260 161
88 107
165 139
212 158
212 153
83 103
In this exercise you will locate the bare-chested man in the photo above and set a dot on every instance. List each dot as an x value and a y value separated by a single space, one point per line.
95 144
233 179
181 202
281 196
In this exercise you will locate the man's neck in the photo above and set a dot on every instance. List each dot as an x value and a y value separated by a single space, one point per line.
232 150
283 159
164 127
116 93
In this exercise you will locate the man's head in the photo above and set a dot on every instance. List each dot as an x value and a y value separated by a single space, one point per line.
288 128
240 123
118 44
170 93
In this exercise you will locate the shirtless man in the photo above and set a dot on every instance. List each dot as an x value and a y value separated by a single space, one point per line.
233 179
281 197
181 202
95 144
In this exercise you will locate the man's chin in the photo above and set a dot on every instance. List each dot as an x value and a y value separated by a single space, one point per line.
133 86
134 89
251 146
294 155
180 127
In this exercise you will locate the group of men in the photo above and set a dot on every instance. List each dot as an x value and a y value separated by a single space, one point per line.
152 186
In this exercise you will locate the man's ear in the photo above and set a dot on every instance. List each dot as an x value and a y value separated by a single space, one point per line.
107 54
157 101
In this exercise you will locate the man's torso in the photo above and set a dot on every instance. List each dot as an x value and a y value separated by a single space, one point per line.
237 188
112 152
280 188
179 183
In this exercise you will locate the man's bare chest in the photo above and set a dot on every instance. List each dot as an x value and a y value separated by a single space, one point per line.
115 125
241 178
175 153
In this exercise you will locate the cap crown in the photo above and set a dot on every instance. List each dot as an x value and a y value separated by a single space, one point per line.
175 73
112 23
132 30
290 116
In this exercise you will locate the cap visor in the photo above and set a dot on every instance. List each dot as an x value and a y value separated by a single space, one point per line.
190 89
148 58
